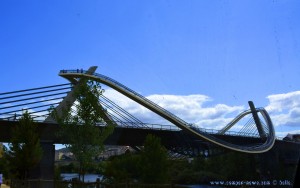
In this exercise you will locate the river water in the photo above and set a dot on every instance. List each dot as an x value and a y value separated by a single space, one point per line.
87 177
93 178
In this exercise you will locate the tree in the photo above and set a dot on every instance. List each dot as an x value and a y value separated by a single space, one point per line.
25 150
123 168
149 166
154 161
79 128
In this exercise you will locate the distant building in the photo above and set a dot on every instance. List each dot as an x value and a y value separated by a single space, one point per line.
113 151
65 154
292 137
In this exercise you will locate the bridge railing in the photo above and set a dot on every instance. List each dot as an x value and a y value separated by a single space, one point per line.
127 89
127 124
217 132
174 128
153 126
143 126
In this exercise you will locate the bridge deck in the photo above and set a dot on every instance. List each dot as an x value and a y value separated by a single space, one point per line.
125 136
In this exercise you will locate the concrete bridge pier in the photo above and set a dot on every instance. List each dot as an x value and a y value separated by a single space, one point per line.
45 169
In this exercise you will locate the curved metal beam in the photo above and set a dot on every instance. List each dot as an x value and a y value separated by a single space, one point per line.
267 145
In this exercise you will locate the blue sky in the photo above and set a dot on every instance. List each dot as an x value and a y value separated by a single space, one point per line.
215 55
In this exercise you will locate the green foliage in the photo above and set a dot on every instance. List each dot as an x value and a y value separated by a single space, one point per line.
154 161
227 166
236 163
67 168
124 168
150 166
79 124
231 166
25 150
57 173
194 172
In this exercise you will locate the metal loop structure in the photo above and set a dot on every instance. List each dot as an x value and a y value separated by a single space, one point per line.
265 140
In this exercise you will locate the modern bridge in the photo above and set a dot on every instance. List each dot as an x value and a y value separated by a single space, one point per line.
253 130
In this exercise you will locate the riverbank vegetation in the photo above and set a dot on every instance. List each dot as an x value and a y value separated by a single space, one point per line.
153 165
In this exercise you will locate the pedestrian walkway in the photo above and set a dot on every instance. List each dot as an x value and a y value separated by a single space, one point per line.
4 186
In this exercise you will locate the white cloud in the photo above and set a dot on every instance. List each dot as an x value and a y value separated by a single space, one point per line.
189 108
282 102
284 110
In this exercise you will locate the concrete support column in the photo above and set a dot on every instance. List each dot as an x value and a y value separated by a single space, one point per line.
45 169
47 163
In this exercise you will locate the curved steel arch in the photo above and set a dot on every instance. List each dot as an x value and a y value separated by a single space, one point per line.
72 75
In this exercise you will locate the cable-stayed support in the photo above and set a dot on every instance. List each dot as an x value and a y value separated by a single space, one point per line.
121 109
115 111
266 143
29 103
36 101
34 107
249 129
32 98
37 88
120 116
34 93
